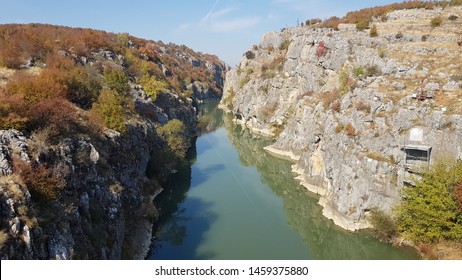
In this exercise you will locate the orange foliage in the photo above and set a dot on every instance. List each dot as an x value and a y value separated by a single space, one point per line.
39 179
350 130
368 13
33 89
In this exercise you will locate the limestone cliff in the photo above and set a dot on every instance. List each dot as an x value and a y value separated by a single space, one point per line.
342 104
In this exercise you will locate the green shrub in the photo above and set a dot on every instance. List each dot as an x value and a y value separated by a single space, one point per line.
83 87
429 211
382 53
175 134
384 227
117 80
362 25
284 45
153 87
109 110
346 83
455 2
243 82
436 21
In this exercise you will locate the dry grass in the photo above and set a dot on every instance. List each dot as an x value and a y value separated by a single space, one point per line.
437 63
379 157
447 250
5 74
350 130
361 106
11 186
3 238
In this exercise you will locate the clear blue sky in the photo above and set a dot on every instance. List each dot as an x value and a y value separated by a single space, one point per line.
226 28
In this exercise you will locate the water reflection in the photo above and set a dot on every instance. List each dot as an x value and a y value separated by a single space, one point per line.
209 117
304 215
238 202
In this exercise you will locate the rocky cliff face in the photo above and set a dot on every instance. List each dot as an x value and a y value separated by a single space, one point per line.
342 104
104 209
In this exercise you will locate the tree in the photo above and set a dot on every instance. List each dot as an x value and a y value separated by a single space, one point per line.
109 110
153 87
175 134
429 211
117 80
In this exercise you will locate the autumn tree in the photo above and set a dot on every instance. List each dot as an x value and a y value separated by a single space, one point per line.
109 111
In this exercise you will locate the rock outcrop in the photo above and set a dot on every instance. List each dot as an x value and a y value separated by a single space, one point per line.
342 104
104 205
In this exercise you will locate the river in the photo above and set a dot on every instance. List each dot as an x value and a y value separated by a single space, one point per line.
235 201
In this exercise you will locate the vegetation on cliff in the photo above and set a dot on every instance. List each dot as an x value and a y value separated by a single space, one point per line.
363 17
81 113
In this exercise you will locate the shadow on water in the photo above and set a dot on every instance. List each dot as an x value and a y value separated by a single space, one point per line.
174 223
202 175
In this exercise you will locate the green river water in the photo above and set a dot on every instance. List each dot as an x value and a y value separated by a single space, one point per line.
236 202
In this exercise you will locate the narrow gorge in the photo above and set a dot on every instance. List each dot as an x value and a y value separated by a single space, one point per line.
116 147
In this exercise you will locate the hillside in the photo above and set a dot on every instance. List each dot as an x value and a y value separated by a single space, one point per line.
345 104
85 115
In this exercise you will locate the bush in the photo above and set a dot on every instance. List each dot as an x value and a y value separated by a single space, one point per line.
83 87
108 110
56 113
346 83
429 211
335 106
243 82
3 238
20 113
457 192
117 80
374 32
362 25
455 2
361 106
436 21
322 49
250 55
329 97
39 179
269 70
153 87
48 84
284 45
350 130
174 133
384 227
